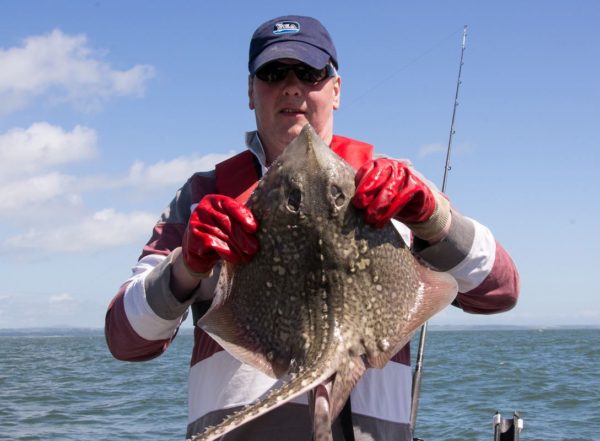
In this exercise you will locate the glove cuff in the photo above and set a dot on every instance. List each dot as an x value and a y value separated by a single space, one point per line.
197 274
437 226
159 295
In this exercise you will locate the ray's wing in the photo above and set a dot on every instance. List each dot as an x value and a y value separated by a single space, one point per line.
229 330
261 314
399 293
436 291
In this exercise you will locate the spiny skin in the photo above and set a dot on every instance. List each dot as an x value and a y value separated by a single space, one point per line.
324 289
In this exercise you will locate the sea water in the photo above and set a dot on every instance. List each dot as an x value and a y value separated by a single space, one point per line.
64 385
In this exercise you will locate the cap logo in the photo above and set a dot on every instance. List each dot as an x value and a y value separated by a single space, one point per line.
286 27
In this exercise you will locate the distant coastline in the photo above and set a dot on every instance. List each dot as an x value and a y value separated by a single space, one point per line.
81 332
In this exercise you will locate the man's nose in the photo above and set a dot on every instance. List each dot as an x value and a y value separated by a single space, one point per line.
292 85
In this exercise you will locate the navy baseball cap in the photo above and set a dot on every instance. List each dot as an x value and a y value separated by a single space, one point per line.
292 36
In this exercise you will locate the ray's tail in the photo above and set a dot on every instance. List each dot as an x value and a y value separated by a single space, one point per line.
299 384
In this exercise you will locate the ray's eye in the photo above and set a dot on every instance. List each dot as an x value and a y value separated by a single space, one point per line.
338 195
294 199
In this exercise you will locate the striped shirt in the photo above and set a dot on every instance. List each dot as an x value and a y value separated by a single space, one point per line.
144 316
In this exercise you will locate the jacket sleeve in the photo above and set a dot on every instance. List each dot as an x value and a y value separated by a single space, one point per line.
144 316
487 278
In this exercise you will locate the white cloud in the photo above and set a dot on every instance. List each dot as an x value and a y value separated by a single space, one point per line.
430 149
28 192
64 68
590 314
103 229
171 172
27 159
46 207
40 309
438 148
62 298
43 146
62 305
161 175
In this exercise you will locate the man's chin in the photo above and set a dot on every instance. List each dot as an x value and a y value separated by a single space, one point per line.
295 130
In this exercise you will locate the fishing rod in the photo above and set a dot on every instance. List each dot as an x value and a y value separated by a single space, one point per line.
416 383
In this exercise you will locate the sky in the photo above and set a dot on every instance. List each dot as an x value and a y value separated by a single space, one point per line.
107 107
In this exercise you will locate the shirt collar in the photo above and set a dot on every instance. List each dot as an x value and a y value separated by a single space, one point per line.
255 146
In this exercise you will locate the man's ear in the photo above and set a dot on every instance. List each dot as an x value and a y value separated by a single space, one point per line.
250 92
337 90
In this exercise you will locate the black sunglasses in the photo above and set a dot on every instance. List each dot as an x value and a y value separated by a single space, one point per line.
277 71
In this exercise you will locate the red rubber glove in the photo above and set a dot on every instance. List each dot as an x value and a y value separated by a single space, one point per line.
387 189
219 228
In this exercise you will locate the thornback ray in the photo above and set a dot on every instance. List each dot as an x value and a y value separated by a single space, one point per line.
326 297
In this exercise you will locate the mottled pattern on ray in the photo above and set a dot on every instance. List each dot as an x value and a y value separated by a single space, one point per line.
325 289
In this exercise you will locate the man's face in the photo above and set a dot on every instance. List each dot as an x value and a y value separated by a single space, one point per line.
282 108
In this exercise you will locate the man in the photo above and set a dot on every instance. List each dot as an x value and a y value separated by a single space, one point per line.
293 81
